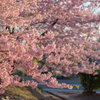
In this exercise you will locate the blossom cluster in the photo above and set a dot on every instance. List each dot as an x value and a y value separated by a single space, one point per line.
65 49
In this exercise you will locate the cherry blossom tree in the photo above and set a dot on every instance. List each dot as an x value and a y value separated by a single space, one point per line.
65 48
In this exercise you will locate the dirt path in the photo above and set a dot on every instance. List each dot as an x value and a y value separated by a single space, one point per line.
80 96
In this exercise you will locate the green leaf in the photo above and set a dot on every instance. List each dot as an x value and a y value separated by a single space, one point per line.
35 59
94 49
98 55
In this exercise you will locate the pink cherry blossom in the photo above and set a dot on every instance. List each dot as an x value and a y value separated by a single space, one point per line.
67 39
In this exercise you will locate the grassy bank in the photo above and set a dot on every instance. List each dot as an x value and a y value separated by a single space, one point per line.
25 93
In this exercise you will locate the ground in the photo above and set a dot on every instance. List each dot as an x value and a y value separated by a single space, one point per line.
87 96
82 96
25 93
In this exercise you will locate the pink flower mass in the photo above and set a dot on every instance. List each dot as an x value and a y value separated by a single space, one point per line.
65 31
